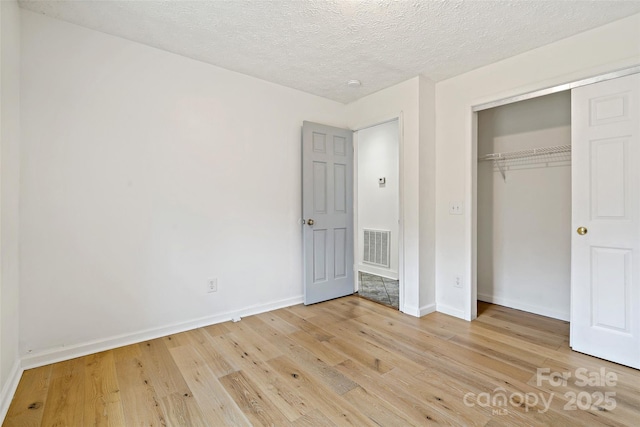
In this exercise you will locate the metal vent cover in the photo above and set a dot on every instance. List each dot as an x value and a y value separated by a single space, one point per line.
376 247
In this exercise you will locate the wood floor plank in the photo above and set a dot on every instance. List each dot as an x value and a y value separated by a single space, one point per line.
387 389
313 419
276 322
297 337
103 405
380 412
254 342
140 402
501 353
182 410
353 333
126 353
319 396
174 394
66 405
433 346
443 394
257 407
325 373
293 319
285 399
528 333
28 405
354 307
217 329
217 406
348 361
161 368
310 361
204 343
361 354
327 354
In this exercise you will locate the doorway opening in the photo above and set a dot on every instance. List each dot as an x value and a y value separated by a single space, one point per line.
524 205
604 147
377 212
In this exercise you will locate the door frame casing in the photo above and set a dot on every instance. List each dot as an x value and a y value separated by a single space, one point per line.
471 188
401 266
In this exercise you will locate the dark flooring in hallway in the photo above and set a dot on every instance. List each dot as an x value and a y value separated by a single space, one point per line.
379 289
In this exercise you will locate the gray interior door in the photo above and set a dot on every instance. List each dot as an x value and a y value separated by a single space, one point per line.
327 209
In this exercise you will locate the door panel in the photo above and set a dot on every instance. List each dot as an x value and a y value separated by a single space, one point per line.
609 176
327 200
319 188
610 283
605 266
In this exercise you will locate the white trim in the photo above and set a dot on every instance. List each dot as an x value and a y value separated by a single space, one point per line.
356 247
380 120
446 309
542 311
427 309
470 245
411 311
558 88
401 242
77 350
378 271
9 389
377 124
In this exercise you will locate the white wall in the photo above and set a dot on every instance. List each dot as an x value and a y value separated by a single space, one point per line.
427 195
144 174
378 204
524 220
9 177
607 48
410 100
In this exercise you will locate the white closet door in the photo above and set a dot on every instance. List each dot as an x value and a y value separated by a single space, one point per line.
605 265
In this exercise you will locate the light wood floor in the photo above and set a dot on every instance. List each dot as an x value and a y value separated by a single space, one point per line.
344 362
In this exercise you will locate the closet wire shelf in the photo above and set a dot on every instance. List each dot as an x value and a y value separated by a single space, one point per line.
559 155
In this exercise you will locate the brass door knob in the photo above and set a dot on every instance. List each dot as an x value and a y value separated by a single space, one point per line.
582 231
310 222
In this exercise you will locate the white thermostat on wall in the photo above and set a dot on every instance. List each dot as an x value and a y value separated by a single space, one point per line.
382 181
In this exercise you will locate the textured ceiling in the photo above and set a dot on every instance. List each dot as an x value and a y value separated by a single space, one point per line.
317 46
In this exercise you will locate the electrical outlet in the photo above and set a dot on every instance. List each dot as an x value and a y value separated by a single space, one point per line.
458 282
212 285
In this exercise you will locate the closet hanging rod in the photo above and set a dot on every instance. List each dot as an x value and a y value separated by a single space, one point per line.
526 153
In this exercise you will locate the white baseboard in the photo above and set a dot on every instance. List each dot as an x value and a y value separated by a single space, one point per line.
543 311
419 311
65 353
378 271
411 310
427 309
9 389
446 309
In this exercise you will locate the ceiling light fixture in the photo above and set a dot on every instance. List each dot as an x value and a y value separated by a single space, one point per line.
354 83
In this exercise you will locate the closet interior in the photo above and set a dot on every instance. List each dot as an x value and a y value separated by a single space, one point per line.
524 205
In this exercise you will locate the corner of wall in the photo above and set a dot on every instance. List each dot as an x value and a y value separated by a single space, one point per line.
9 389
427 177
10 370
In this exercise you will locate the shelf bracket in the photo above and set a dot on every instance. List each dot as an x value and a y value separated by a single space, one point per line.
501 169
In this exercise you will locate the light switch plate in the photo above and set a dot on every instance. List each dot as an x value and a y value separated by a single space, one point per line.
455 208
